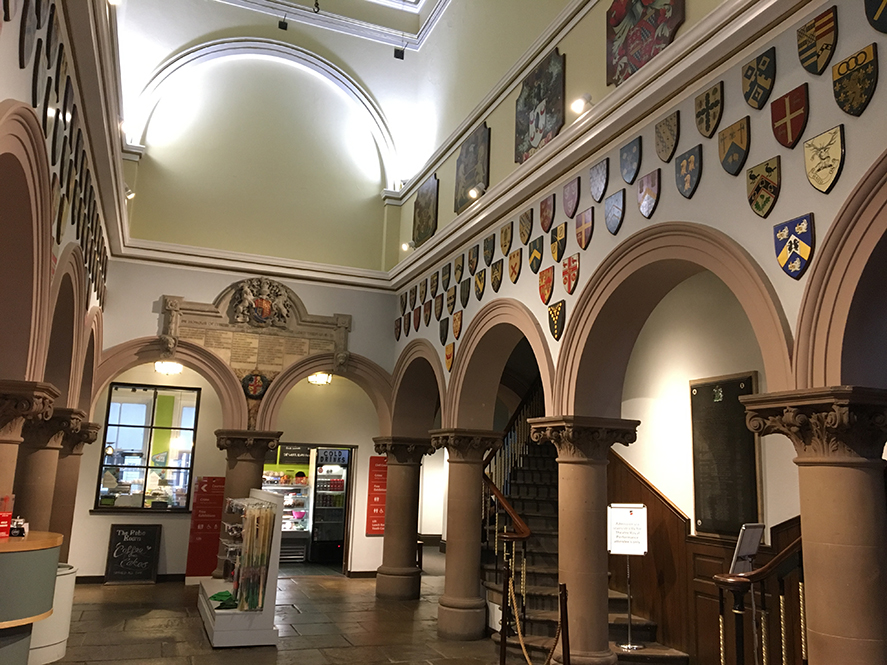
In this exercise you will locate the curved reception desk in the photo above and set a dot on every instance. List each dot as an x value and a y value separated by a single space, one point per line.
28 568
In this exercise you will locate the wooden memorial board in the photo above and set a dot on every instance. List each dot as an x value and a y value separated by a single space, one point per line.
133 554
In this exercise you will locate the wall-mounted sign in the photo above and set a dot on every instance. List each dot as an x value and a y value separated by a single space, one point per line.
376 488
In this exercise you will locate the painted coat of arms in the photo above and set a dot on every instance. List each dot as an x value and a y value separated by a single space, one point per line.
570 200
546 212
648 193
816 41
570 273
255 385
450 352
525 226
558 241
426 311
667 132
630 160
794 245
636 31
876 13
472 166
480 283
496 274
433 283
397 323
423 290
614 211
758 76
465 291
505 235
515 261
425 210
445 273
406 323
688 171
539 110
854 80
458 268
534 253
457 324
557 316
789 116
403 303
762 183
598 175
824 158
709 107
444 330
489 248
733 143
472 259
262 303
438 305
451 299
417 318
584 227
546 284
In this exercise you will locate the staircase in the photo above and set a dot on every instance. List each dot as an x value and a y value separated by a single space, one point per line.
527 474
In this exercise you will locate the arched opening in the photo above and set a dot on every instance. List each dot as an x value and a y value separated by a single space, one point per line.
864 356
85 401
61 349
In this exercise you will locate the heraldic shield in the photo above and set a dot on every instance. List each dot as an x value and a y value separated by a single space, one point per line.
406 323
445 273
480 283
413 292
423 290
667 133
758 76
397 323
403 303
709 108
794 245
816 40
557 317
458 268
465 291
450 352
426 309
457 324
444 330
525 226
648 193
614 211
876 13
473 254
451 299
762 184
438 306
505 235
496 274
598 175
733 145
824 158
417 318
558 241
570 273
534 252
584 227
854 80
489 248
546 284
630 160
688 171
570 199
788 115
433 283
546 212
515 261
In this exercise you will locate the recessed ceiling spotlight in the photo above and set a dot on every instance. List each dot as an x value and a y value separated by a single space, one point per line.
477 191
408 245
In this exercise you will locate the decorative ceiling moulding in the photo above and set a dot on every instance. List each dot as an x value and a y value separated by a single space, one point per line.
267 48
350 26
674 73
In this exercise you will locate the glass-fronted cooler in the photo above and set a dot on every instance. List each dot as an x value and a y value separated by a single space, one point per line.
287 472
330 478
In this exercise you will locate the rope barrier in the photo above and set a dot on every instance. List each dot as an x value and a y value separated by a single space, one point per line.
520 636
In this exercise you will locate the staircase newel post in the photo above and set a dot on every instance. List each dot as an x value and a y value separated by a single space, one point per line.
738 618
506 618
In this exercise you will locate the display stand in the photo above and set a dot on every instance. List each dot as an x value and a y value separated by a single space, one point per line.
234 628
627 534
746 548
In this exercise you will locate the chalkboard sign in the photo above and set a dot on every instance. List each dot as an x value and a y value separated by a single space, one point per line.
133 554
294 454
725 467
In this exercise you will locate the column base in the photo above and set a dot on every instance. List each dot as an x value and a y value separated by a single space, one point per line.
586 658
462 619
398 583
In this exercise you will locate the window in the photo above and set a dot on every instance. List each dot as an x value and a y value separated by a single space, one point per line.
148 451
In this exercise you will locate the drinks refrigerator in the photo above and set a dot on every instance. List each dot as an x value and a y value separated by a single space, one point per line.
330 476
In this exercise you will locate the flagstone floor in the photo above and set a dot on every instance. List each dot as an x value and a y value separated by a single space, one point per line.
324 618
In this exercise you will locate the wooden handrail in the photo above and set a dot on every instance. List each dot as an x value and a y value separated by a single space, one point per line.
531 393
521 530
783 562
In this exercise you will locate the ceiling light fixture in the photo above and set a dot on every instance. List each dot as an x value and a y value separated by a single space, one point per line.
408 245
130 195
477 191
580 104
168 367
282 23
320 379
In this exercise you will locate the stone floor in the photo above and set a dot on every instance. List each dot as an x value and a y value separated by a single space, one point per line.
323 619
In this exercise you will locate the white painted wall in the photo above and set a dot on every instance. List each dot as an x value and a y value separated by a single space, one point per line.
90 533
697 331
432 493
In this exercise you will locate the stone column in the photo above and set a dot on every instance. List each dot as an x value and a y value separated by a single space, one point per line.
38 461
462 609
399 577
67 477
19 401
838 434
582 448
246 451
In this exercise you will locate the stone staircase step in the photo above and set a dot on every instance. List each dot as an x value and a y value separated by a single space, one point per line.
653 653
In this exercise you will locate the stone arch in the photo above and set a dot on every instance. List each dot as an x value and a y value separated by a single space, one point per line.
149 349
374 381
68 294
88 363
486 345
419 386
269 48
851 246
627 286
25 253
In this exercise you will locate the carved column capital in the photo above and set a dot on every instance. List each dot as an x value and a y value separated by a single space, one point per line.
49 433
583 439
24 400
246 444
403 449
466 445
73 442
833 426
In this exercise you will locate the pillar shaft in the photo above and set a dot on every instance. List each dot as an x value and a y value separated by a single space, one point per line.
582 447
246 451
67 476
19 401
839 435
399 577
462 609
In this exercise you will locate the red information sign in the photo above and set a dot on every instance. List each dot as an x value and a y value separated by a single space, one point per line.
207 502
376 486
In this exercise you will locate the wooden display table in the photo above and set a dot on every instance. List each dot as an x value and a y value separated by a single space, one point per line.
28 568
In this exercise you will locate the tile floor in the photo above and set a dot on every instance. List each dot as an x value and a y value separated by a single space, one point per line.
323 618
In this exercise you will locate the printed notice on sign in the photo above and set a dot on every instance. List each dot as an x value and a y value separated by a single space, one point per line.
627 528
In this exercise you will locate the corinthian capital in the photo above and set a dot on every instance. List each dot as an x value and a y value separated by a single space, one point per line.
49 433
466 445
579 438
246 444
843 424
73 442
24 400
402 449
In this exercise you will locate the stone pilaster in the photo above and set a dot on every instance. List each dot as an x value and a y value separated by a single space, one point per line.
838 434
19 401
67 476
245 451
462 609
37 464
582 447
399 577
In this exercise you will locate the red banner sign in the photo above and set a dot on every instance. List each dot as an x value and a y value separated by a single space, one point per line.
376 487
207 502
